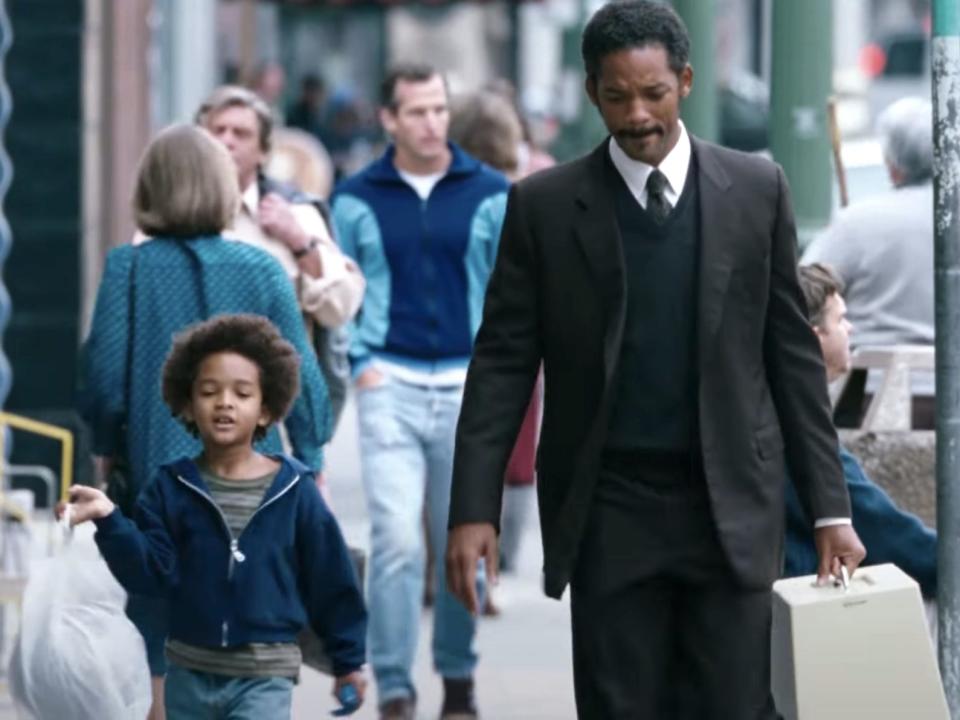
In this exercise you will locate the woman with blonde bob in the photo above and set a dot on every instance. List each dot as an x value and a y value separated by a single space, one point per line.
183 272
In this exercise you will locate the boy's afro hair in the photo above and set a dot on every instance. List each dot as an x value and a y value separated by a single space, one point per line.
251 336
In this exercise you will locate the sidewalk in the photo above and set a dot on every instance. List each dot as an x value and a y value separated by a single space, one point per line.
525 670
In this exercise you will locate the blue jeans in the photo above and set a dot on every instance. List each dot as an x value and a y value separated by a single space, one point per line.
190 695
406 450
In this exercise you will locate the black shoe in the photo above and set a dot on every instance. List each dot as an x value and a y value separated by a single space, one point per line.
458 700
403 708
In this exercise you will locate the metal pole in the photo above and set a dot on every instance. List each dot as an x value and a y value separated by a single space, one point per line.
514 18
6 176
945 63
6 239
582 126
701 108
800 85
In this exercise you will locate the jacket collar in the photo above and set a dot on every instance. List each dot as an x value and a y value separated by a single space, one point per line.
709 167
291 470
592 188
461 164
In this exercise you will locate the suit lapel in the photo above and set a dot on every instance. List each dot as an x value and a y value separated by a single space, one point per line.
717 226
599 238
598 234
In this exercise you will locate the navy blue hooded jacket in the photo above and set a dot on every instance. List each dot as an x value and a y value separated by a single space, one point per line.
289 565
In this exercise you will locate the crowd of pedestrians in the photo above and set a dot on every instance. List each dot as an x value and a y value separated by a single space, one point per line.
462 290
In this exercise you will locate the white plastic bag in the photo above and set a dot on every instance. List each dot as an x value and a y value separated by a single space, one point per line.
78 656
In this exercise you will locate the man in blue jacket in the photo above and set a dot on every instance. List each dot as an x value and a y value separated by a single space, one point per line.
423 223
889 534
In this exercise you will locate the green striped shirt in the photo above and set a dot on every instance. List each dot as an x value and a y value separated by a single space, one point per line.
238 500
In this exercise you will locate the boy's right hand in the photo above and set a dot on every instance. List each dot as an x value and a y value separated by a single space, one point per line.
86 503
350 701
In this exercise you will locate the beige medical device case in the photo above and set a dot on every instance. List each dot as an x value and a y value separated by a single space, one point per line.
858 653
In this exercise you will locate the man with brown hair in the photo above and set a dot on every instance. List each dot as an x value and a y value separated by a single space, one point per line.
423 223
888 533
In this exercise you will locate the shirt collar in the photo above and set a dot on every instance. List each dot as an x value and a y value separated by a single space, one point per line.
250 199
674 166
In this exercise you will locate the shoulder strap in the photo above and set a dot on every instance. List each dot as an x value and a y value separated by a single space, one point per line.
131 323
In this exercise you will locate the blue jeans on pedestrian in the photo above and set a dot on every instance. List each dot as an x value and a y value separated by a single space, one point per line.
190 695
406 445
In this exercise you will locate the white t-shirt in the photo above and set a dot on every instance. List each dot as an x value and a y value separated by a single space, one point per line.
422 184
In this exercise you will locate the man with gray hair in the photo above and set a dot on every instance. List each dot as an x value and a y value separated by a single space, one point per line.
293 227
882 247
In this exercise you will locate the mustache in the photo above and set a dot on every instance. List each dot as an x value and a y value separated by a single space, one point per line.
639 133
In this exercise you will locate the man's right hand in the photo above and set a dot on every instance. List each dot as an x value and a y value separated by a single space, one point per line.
466 544
369 378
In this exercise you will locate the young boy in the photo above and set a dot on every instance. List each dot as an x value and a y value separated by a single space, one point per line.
240 542
888 533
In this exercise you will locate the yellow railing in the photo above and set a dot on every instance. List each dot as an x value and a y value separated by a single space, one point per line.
47 430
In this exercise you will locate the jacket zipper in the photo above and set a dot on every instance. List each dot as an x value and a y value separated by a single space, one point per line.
426 247
236 556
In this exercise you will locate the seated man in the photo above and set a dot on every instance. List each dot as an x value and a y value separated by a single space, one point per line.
889 534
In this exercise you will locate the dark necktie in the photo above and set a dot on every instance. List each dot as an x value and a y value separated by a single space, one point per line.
657 204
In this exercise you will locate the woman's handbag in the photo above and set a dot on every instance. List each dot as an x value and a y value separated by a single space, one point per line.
119 478
119 483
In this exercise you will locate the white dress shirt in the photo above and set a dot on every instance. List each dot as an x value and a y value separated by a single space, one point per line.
674 167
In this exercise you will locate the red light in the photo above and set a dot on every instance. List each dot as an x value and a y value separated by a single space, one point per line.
872 60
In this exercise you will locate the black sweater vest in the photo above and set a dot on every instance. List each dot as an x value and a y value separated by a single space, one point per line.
655 406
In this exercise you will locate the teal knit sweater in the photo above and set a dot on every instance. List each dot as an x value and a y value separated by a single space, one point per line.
175 283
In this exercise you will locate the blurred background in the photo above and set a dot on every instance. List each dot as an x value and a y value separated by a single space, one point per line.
89 81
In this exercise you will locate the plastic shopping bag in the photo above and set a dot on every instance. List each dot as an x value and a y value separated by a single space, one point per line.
77 655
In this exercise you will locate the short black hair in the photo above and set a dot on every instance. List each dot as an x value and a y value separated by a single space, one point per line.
252 336
630 24
404 72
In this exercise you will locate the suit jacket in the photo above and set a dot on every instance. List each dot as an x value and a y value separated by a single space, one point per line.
558 293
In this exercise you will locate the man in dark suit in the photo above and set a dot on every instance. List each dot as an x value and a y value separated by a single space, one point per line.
656 280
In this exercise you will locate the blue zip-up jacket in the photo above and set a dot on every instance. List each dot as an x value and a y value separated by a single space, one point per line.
289 565
889 534
426 261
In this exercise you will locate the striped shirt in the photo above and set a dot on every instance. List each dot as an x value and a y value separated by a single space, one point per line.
238 500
